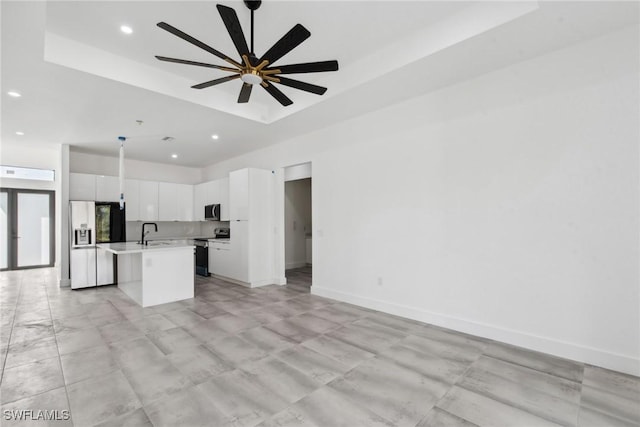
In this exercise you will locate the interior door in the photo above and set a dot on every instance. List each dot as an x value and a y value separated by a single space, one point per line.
28 219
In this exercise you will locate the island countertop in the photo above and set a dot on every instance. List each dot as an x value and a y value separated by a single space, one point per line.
132 247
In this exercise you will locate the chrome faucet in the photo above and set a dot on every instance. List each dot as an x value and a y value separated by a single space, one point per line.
142 242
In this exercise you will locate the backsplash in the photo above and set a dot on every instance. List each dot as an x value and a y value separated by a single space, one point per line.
171 229
166 229
207 227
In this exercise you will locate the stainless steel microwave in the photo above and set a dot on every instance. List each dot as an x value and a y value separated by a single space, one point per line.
212 212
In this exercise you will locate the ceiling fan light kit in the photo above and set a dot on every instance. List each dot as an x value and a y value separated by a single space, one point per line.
253 70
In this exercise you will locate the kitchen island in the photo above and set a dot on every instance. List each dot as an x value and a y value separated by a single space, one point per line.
153 274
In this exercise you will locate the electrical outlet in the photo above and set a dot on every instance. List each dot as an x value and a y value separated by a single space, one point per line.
379 281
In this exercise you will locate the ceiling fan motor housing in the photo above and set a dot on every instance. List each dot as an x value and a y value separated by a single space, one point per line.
251 77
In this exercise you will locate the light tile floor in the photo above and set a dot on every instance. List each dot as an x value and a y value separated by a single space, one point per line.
276 356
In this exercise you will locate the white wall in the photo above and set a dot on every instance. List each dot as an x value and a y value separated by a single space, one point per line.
40 157
514 202
297 220
134 169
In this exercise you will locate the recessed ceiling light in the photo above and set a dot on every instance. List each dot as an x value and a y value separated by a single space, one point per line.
175 156
14 94
214 136
19 133
125 29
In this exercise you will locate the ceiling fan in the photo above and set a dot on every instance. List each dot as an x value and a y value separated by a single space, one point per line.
253 70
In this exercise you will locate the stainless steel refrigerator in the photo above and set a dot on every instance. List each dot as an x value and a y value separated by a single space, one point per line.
91 223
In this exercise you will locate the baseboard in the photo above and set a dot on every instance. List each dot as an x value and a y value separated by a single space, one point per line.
234 281
296 264
258 283
65 283
577 352
255 284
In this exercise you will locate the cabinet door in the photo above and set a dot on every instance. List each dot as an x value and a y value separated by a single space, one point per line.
239 251
239 195
167 201
199 197
212 191
132 199
219 259
82 186
185 202
107 188
212 261
148 201
223 189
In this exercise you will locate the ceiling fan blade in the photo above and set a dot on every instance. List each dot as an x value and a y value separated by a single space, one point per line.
307 67
286 44
186 37
307 87
245 93
199 64
215 82
275 92
230 19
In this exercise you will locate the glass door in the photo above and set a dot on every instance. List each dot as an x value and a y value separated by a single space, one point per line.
27 216
4 230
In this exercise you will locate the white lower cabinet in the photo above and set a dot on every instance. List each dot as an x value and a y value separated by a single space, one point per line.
220 260
239 265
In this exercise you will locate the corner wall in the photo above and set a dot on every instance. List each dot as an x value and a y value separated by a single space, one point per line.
513 198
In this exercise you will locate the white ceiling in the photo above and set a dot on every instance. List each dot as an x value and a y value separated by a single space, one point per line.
85 83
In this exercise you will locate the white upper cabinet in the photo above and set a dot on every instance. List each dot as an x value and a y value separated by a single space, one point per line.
82 186
239 195
185 202
223 192
145 200
175 202
167 201
107 188
212 192
148 201
132 199
199 200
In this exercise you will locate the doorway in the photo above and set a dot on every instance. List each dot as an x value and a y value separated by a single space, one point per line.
27 226
298 233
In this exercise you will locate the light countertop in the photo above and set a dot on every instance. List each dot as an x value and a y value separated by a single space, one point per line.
132 247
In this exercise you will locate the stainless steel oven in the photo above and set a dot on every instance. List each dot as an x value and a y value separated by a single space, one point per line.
202 256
